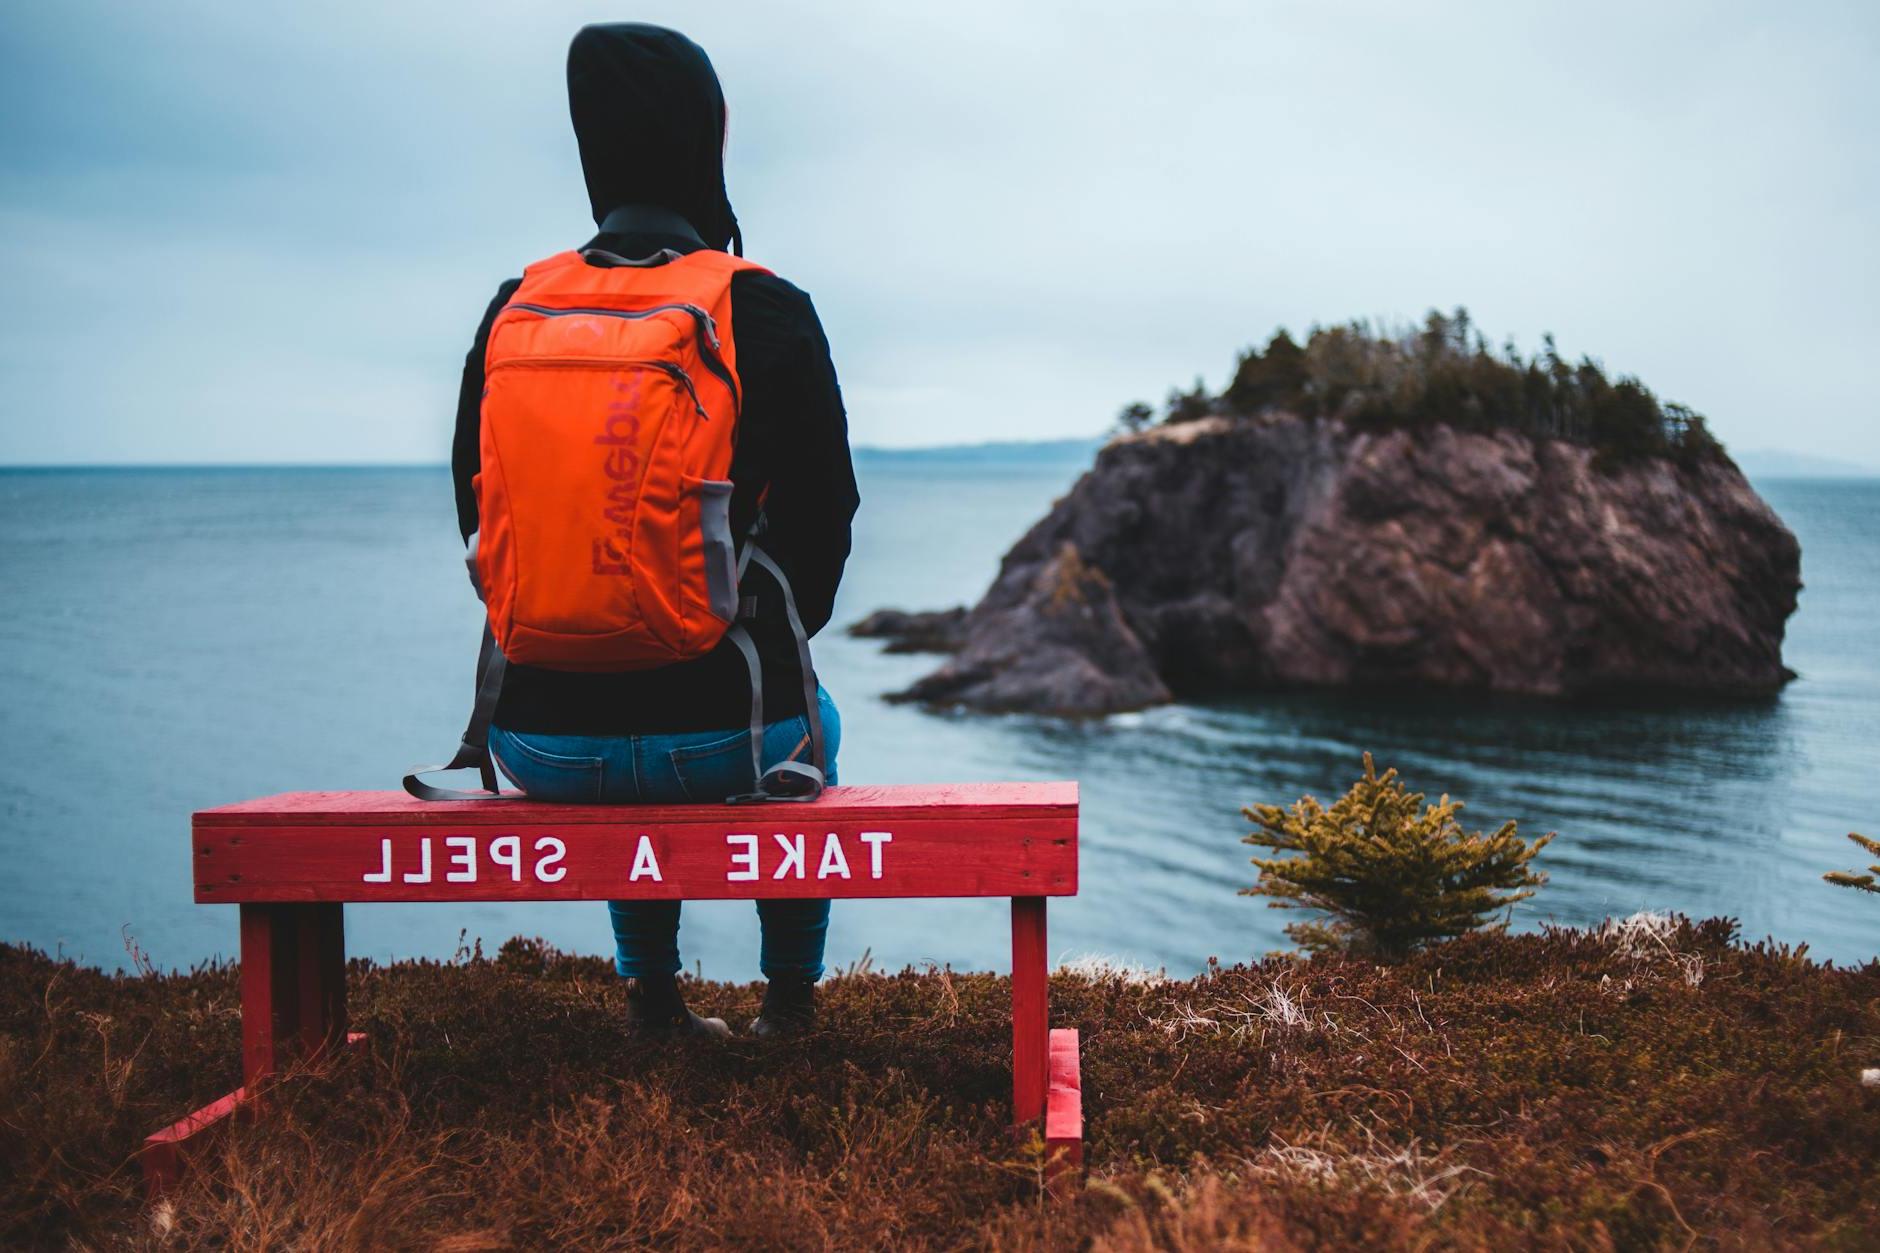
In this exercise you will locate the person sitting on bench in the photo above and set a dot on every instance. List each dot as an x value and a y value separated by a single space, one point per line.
649 116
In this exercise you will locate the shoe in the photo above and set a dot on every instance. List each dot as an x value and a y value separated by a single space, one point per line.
789 1008
656 1008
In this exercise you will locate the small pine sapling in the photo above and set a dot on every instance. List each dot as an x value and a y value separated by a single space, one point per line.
1388 873
1869 882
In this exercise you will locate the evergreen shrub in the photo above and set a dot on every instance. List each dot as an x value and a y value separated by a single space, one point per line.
1388 873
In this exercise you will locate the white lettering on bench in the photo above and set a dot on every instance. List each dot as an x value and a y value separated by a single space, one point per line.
644 863
745 864
424 863
833 861
465 856
550 853
792 855
504 852
746 859
874 840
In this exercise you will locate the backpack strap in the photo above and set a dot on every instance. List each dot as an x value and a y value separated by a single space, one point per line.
474 748
608 260
787 780
812 707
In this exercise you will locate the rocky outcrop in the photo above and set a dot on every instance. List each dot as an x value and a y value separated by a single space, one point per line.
1229 554
1060 646
922 631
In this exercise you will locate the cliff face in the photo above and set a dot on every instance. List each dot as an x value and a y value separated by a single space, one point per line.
1224 554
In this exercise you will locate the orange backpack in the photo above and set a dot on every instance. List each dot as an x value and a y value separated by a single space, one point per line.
610 412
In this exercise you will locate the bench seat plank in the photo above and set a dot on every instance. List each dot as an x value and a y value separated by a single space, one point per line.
961 800
948 841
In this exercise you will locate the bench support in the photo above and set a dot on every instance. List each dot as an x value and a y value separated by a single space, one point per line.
1064 1114
293 989
293 985
1046 1083
1030 1010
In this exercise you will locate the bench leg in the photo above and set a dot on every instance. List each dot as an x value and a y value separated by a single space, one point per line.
1030 1010
293 984
293 988
321 940
270 1010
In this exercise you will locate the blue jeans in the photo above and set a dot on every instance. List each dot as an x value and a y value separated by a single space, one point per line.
700 767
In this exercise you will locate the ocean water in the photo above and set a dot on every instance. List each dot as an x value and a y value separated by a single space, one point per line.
175 639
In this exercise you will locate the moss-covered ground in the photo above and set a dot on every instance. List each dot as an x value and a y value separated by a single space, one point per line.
1652 1085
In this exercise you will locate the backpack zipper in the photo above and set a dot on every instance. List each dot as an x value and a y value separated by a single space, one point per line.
679 373
708 329
676 372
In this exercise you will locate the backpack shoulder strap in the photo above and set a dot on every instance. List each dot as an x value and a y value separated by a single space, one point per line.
710 261
558 261
787 780
474 748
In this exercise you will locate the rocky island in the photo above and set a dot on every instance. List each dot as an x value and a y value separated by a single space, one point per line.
1383 511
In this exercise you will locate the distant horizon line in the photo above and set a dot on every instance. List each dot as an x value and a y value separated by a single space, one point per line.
1790 463
891 449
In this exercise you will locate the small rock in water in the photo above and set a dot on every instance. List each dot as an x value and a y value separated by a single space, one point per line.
1870 1077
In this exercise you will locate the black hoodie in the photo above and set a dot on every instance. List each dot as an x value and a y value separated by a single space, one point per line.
650 119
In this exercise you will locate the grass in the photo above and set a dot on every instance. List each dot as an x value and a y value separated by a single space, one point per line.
1650 1084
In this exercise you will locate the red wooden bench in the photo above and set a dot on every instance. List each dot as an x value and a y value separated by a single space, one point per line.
292 862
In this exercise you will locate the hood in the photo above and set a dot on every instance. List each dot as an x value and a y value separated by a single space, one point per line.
649 116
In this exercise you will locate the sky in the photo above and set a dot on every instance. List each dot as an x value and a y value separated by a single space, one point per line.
240 232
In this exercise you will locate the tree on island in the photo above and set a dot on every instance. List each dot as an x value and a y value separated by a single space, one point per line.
1135 417
1443 374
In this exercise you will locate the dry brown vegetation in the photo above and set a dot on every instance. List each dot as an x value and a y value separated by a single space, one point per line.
1650 1085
